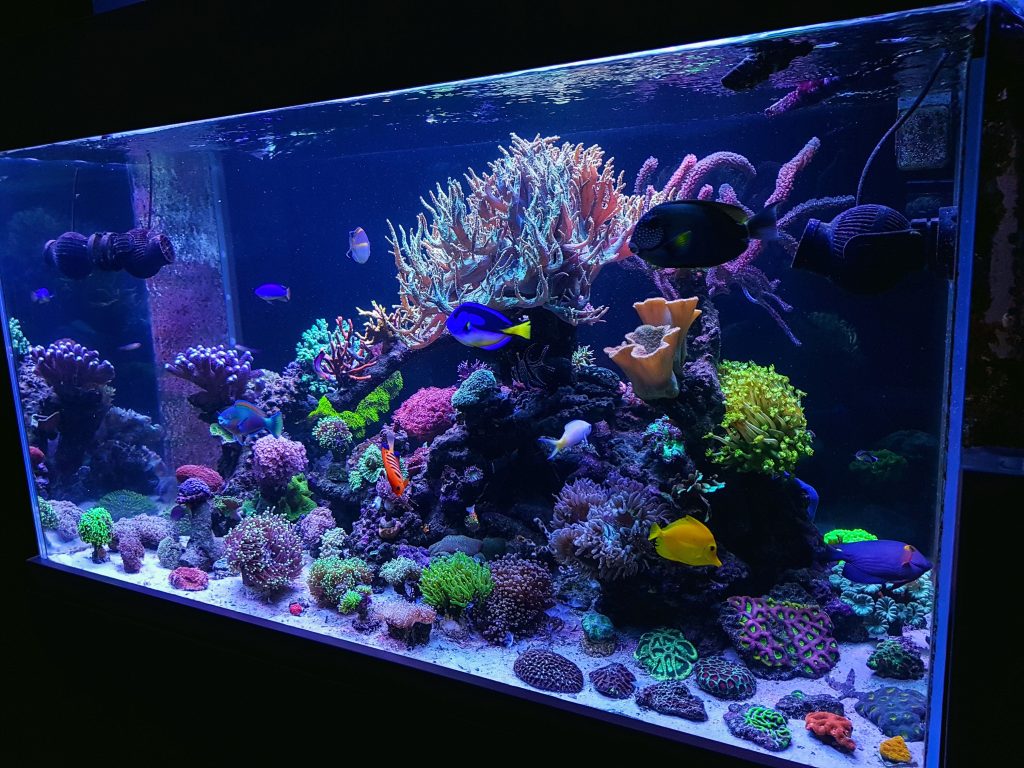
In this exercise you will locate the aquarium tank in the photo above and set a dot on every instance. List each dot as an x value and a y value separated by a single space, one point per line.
627 386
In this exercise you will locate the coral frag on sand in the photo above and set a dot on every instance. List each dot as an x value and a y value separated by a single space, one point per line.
835 730
548 671
723 679
761 725
672 697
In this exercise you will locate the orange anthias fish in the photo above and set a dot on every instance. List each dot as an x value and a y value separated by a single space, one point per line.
392 468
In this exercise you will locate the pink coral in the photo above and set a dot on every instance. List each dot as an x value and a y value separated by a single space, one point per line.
189 579
835 730
427 413
313 526
209 476
275 460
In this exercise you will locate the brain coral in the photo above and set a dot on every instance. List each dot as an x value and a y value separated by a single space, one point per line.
548 671
723 679
761 725
665 654
896 711
613 681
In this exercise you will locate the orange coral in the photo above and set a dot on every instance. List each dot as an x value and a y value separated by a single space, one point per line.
895 750
831 728
648 356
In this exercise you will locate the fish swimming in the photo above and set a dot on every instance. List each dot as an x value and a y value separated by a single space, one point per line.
41 296
880 562
243 418
575 432
866 456
809 492
686 541
358 246
273 292
392 467
478 326
698 233
130 347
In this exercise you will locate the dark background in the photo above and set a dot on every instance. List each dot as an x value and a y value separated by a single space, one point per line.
100 673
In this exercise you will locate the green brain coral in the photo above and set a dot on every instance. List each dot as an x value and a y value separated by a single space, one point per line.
452 582
665 654
765 427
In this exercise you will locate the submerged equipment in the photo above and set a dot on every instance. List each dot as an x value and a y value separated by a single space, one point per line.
140 252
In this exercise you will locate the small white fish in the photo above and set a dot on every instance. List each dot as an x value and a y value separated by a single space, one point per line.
130 347
576 432
358 246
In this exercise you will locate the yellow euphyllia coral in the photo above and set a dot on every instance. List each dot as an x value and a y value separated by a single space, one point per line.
895 750
765 427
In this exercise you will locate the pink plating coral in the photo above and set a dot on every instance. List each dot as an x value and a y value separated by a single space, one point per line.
275 460
427 413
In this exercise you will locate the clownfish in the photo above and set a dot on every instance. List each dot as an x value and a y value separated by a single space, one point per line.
392 468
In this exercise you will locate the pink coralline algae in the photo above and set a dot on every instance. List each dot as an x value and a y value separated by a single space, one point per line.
189 579
548 671
427 413
780 641
275 461
209 476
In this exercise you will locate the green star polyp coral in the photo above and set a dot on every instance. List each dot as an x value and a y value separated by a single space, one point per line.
765 427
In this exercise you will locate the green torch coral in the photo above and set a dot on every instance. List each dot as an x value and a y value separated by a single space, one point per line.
96 527
765 427
452 582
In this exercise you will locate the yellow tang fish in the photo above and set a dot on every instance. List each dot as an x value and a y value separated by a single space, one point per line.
687 541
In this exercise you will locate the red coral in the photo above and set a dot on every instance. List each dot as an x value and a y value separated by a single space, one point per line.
835 730
427 413
209 476
189 579
36 456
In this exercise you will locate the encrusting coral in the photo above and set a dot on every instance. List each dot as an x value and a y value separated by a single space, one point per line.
834 730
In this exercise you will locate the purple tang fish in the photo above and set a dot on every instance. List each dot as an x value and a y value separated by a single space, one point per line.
880 562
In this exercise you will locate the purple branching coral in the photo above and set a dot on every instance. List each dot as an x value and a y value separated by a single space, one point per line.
267 552
690 180
605 527
67 365
522 592
220 372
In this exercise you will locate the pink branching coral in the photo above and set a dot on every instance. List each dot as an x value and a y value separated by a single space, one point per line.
690 180
427 413
533 232
347 356
275 460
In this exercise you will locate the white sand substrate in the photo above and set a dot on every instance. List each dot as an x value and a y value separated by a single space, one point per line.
474 656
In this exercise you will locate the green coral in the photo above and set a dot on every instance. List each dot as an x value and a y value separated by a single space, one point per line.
665 654
368 411
354 599
221 434
770 722
95 527
848 536
314 340
124 503
400 570
367 469
19 344
582 356
297 500
47 515
332 542
332 434
889 468
666 437
898 659
331 577
765 427
452 582
887 614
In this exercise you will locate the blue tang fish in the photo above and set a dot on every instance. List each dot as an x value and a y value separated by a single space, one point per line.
244 418
41 295
809 492
358 246
478 326
880 562
273 292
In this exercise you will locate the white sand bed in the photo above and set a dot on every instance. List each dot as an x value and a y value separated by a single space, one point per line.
476 657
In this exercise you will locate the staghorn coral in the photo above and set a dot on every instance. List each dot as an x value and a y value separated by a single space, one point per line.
522 592
582 356
761 725
765 427
780 641
723 679
451 582
426 413
614 681
548 671
665 654
266 551
835 730
673 698
534 231
346 357
605 527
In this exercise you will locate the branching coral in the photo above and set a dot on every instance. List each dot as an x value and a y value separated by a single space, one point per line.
605 528
450 583
346 357
220 372
67 366
765 427
534 231
19 343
